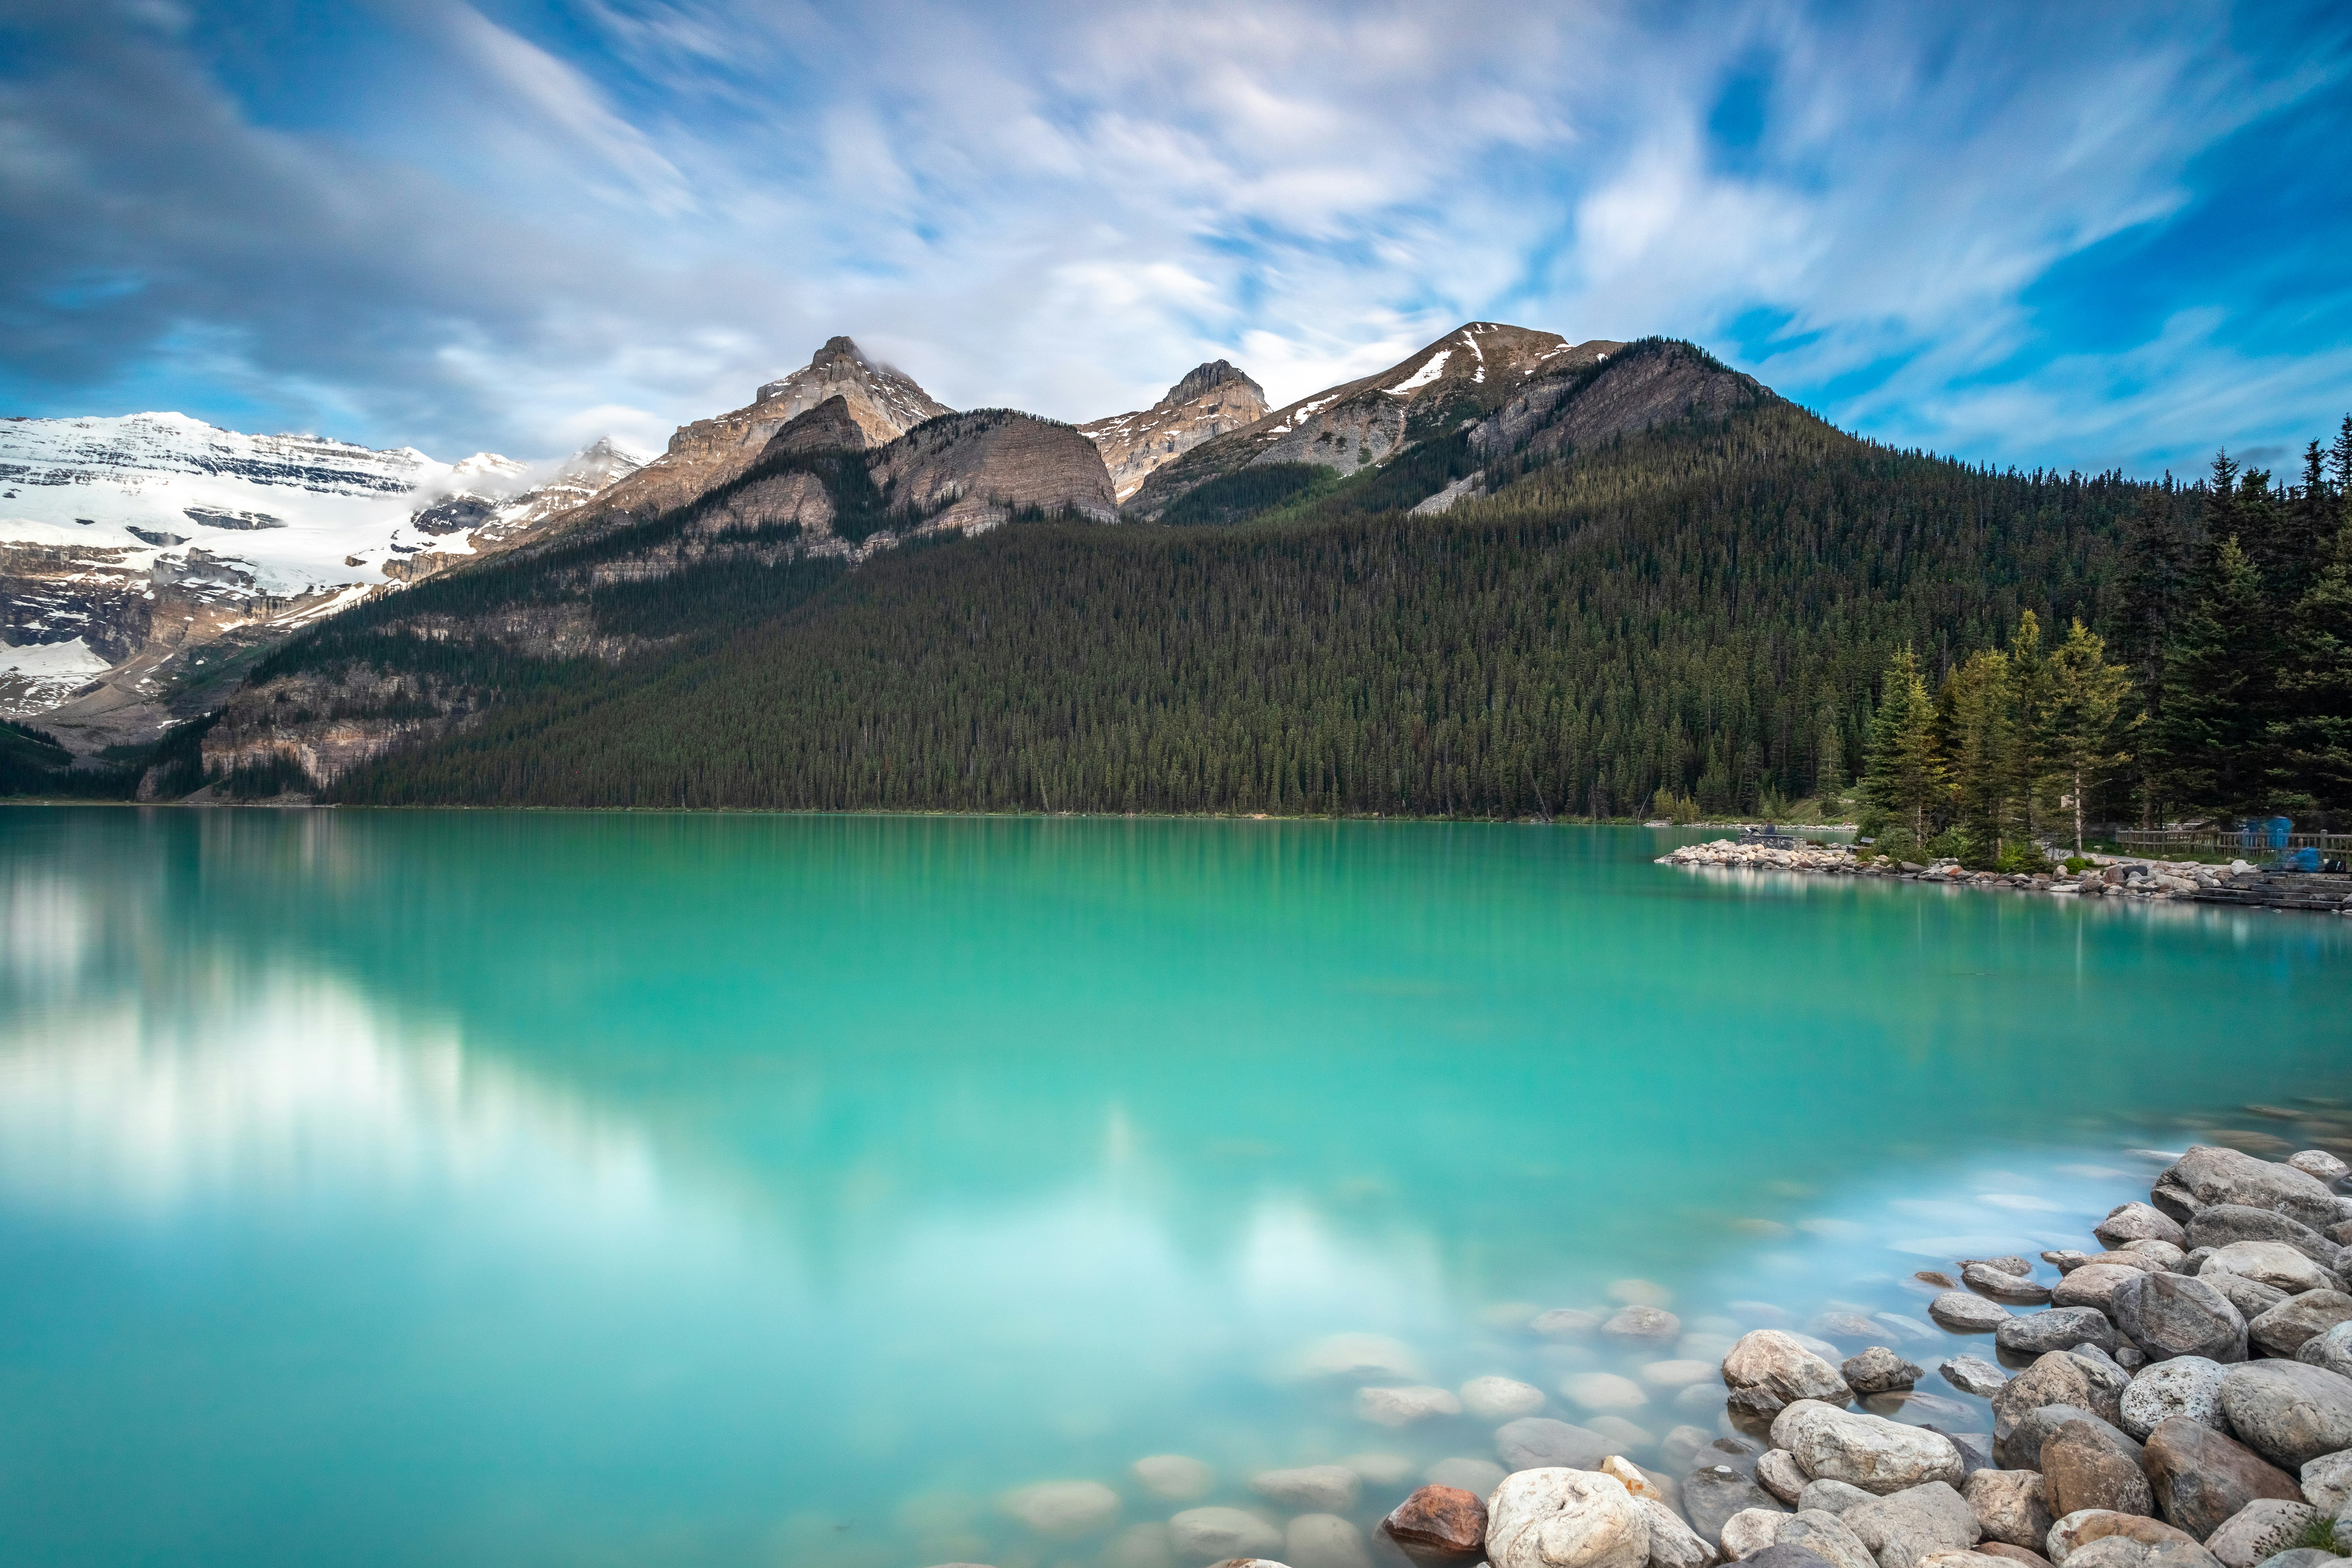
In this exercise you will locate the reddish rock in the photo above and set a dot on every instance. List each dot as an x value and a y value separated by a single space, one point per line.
1439 1527
2202 1479
2087 1465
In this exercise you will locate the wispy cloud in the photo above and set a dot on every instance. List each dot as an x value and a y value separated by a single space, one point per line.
1991 231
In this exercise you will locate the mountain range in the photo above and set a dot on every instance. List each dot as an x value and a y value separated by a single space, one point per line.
524 636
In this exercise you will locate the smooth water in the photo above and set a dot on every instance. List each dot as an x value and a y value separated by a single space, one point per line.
527 1189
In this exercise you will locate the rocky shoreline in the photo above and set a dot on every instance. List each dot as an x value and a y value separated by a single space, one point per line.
2180 1397
2113 877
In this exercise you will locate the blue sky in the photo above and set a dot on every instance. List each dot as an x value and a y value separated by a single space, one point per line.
2086 236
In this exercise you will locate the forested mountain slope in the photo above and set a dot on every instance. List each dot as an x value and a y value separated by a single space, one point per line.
1693 594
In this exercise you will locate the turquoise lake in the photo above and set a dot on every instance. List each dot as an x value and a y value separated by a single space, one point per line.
521 1189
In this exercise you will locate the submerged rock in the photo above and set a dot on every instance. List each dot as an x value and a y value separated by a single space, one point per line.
1713 1494
1324 1541
1501 1398
1604 1391
1061 1508
1974 1375
1650 1325
1319 1489
1477 1476
1535 1442
1206 1534
1173 1476
1403 1406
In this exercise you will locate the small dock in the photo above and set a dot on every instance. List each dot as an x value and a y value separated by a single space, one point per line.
2318 892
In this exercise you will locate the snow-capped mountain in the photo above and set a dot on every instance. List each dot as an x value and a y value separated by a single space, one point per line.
1211 399
129 543
1471 371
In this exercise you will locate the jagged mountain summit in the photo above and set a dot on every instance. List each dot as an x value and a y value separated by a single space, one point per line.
881 403
130 546
1466 374
1210 399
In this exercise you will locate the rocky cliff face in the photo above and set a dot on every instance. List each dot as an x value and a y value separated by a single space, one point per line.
975 471
1614 397
1464 375
142 557
1211 400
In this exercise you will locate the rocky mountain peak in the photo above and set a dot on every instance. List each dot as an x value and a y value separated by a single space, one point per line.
1204 378
1210 400
886 402
827 427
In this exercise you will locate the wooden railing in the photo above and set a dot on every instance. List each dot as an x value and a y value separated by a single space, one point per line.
2252 845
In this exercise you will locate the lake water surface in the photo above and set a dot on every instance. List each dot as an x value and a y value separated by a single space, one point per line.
534 1189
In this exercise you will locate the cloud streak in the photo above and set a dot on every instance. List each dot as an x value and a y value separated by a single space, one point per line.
1993 232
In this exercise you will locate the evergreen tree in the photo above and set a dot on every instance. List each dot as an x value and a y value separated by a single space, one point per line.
2029 697
1828 753
2149 602
2084 719
1904 774
2315 737
2217 690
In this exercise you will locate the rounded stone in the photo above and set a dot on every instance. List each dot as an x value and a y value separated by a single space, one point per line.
1868 1451
2093 1285
2010 1506
1673 1544
1974 1375
2086 1465
2260 1530
1562 1322
2202 1479
2003 1286
1677 1373
1750 1531
2186 1386
1438 1526
1783 1370
1501 1398
1779 1473
2271 1263
2169 1315
2288 1412
2327 1483
2283 1330
2075 1531
1965 1314
2138 1222
2059 1329
2332 1350
2319 1162
1879 1370
1559 1518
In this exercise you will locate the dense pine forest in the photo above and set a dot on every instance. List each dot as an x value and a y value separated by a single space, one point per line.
2233 696
1703 611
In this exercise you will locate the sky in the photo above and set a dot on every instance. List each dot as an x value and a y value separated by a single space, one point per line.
2082 236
